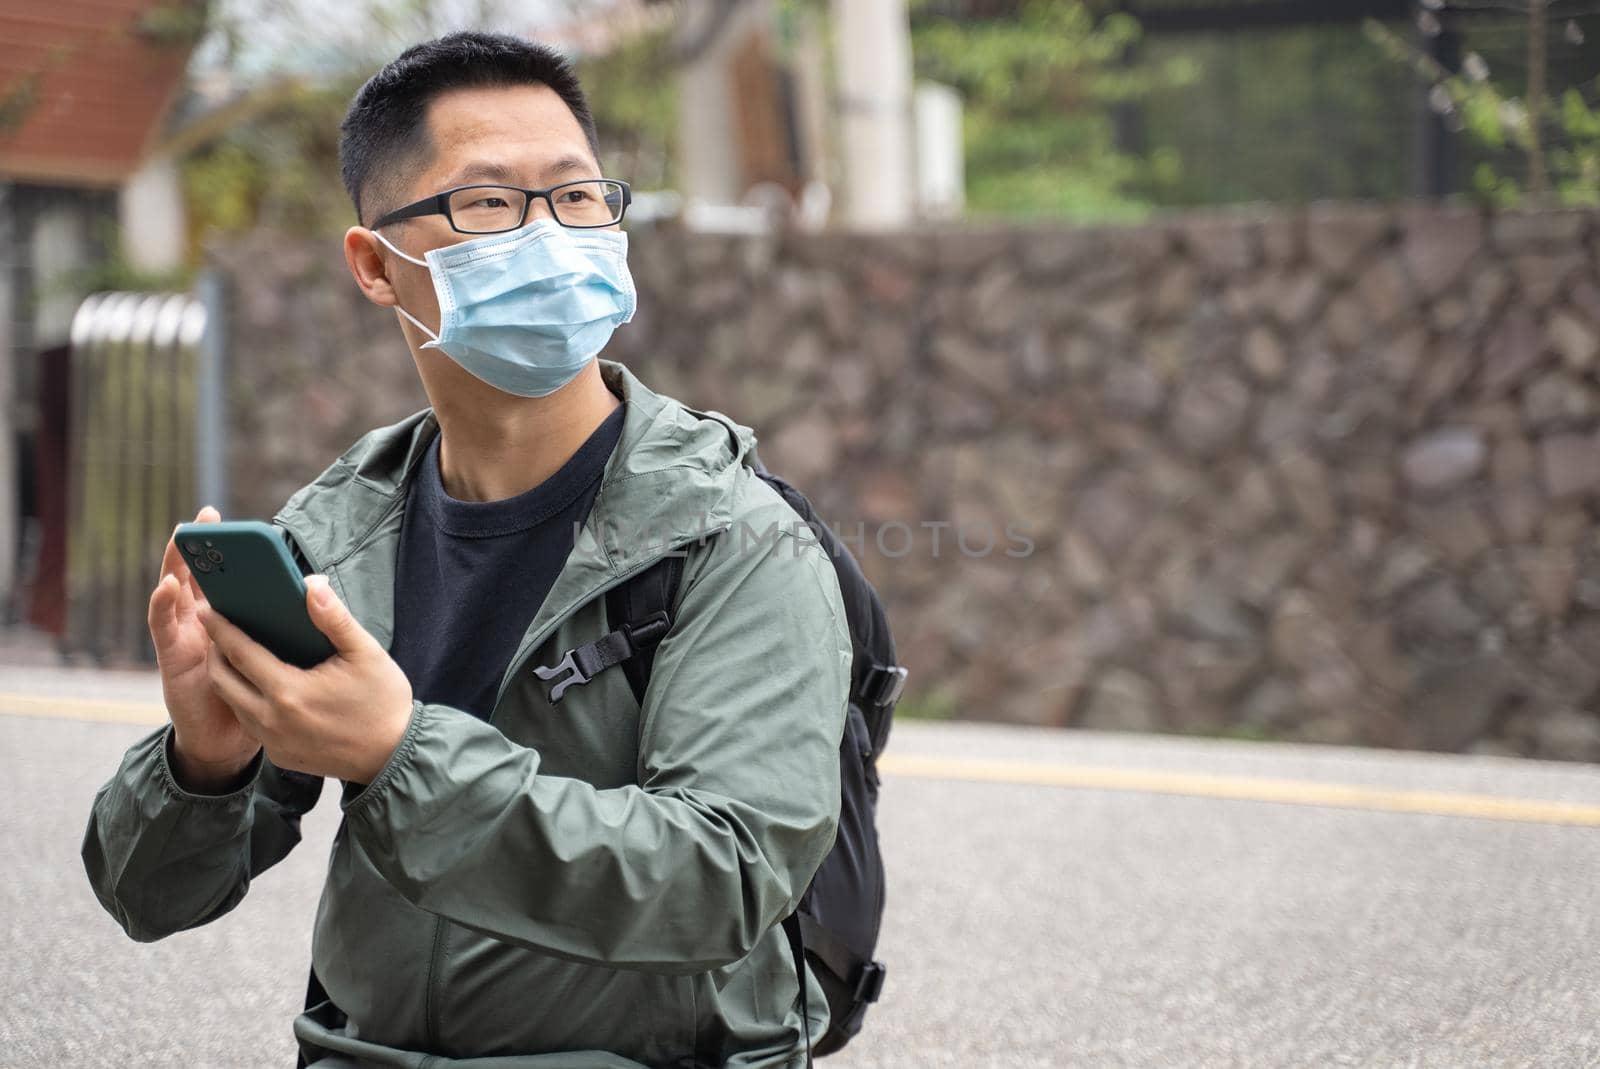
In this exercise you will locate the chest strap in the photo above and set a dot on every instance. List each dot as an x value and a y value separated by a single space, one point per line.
639 612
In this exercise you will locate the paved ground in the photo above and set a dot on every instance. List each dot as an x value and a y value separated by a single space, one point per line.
1031 922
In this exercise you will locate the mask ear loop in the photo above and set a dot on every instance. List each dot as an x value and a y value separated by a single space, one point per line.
419 324
397 252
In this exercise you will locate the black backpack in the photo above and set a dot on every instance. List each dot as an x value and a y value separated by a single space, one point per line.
836 924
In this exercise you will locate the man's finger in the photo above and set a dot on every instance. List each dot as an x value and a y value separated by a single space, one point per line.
334 619
172 557
173 561
253 660
173 564
162 613
207 514
249 705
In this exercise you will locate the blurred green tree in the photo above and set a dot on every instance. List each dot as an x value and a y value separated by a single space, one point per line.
1552 145
1040 87
1284 114
279 166
633 92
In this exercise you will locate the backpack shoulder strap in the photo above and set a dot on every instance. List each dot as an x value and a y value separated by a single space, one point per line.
797 950
634 603
639 612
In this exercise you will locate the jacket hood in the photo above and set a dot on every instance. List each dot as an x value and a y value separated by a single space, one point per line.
669 480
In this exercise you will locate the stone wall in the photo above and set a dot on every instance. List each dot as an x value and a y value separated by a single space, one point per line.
1324 474
312 366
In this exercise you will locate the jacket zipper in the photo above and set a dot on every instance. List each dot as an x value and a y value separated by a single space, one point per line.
431 1010
436 957
523 654
431 1024
430 994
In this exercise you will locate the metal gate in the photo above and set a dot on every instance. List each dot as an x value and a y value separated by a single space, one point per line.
142 374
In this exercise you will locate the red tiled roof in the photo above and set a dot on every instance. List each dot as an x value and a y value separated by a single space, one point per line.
83 86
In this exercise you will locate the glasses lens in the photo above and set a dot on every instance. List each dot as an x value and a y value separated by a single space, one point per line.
588 203
487 209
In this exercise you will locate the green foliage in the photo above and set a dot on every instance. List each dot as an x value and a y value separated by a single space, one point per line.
1283 114
936 704
20 97
173 24
112 271
18 100
1493 117
1494 188
278 169
1578 164
116 273
1040 138
634 96
223 186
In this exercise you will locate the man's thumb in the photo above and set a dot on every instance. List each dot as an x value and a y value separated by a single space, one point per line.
332 618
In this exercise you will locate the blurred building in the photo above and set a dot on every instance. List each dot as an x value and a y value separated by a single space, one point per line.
810 111
84 182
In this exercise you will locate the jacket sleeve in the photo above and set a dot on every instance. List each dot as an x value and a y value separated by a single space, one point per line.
736 804
162 859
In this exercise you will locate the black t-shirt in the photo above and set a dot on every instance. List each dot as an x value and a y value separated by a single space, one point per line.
472 574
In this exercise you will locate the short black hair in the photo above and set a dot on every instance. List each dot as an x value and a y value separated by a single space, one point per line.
386 121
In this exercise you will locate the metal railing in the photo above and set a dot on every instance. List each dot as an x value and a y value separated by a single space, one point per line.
144 421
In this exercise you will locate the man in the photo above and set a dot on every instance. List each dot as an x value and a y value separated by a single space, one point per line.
517 882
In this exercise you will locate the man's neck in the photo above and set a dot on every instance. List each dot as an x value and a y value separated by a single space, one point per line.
489 452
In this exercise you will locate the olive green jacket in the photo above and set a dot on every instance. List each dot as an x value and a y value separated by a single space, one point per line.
581 884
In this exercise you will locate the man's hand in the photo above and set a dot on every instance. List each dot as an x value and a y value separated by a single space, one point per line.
210 748
342 718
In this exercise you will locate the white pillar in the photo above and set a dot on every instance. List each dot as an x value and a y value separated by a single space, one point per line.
941 152
872 40
708 125
150 209
812 93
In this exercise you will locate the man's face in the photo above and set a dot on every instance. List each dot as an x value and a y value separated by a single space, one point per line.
520 135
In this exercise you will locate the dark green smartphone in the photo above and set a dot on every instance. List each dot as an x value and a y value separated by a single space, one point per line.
246 573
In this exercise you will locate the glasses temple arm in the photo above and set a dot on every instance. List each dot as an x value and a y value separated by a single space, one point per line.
439 204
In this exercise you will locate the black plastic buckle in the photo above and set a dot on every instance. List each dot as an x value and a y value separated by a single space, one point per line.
585 662
650 630
883 684
551 671
870 983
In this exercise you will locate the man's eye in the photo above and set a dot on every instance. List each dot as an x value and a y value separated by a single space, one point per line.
489 202
575 196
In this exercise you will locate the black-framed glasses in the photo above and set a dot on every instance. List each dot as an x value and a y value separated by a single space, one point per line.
491 209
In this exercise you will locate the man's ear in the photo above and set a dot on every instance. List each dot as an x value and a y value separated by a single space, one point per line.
362 253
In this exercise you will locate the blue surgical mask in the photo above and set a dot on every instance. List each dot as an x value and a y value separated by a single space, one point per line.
526 310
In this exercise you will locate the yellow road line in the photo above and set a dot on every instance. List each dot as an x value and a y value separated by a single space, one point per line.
1242 788
108 710
1033 773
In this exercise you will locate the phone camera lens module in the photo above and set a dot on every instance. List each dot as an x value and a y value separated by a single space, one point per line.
192 548
201 564
213 556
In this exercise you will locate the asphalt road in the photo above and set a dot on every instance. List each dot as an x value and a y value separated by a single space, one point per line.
1056 899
